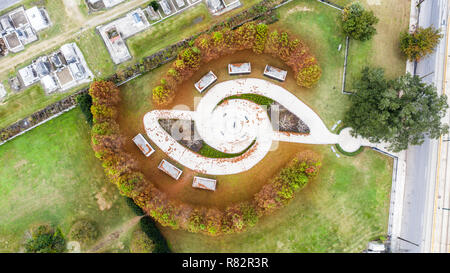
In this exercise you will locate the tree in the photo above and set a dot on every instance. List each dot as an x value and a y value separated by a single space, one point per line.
141 243
358 23
400 112
85 102
420 43
154 5
84 231
104 92
45 240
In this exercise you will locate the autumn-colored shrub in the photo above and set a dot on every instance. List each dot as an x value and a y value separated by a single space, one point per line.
282 188
308 76
104 93
260 38
420 43
162 95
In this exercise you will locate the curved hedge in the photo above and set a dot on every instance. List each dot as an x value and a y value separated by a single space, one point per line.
256 37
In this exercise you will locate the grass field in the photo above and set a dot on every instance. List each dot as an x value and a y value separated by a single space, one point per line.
345 207
340 211
55 10
25 103
50 175
383 50
176 28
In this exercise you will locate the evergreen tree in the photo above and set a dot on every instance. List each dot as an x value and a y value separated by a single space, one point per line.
358 23
401 111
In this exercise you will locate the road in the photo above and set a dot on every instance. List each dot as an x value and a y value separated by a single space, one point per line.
4 4
35 49
418 215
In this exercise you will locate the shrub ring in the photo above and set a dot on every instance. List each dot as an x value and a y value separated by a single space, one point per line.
121 169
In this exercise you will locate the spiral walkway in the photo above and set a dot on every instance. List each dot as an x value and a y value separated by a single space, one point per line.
232 126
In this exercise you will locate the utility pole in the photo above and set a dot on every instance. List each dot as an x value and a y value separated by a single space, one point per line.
420 2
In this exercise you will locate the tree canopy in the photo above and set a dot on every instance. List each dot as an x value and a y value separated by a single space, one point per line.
45 240
358 23
400 112
420 43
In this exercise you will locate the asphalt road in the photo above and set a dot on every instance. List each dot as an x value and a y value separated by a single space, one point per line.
422 160
4 4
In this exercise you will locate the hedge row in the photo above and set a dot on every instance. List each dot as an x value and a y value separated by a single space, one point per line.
256 37
121 169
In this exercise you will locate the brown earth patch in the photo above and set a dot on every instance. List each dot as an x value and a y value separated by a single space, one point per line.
230 188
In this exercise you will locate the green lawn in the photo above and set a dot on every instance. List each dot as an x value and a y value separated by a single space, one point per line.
383 49
317 25
95 53
170 31
177 28
345 207
50 175
55 10
25 103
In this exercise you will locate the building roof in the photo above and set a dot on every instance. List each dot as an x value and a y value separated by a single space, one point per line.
37 19
180 3
42 66
69 53
18 18
77 70
49 83
165 7
64 76
6 23
12 40
28 75
2 92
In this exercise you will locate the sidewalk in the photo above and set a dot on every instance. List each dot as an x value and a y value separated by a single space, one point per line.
399 172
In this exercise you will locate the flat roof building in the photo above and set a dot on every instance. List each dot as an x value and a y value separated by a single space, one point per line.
49 83
28 75
13 43
2 92
165 7
19 18
69 53
38 18
65 78
180 3
115 33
